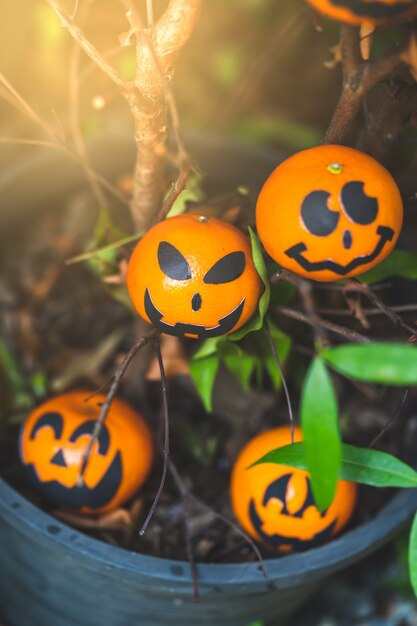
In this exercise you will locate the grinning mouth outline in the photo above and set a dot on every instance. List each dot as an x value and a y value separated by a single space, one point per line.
372 9
296 252
225 325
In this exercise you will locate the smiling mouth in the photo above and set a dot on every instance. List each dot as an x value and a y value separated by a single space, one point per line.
296 252
225 325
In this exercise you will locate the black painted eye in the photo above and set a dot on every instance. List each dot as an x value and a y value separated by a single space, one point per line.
87 429
172 263
359 207
317 217
53 420
227 269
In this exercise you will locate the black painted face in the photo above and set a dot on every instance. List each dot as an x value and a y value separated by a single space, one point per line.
278 490
175 266
73 496
321 221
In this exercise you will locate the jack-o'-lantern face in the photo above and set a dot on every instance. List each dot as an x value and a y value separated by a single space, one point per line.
329 212
275 504
55 436
358 11
194 276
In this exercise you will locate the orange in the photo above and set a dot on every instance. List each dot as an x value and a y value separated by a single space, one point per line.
358 11
329 212
194 276
55 436
274 503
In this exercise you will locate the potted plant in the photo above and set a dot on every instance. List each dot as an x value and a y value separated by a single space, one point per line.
72 578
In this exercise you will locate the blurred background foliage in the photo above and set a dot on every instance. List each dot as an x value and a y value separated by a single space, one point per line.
254 69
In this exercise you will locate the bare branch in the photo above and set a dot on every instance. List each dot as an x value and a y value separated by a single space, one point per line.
359 77
346 333
174 29
88 47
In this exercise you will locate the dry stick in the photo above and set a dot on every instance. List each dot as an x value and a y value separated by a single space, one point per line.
182 155
346 333
74 110
166 436
393 419
149 13
358 78
281 371
368 293
115 384
401 308
305 290
237 529
58 142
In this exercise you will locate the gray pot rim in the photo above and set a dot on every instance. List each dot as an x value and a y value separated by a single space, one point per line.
283 572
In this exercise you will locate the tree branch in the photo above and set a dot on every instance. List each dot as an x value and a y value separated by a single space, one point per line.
88 47
359 77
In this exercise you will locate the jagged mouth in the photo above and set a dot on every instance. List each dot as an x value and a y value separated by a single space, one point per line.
180 329
78 497
296 252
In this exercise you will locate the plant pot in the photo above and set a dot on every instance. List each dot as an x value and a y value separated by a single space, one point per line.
52 575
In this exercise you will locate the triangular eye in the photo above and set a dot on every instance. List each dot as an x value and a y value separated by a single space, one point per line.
172 263
227 269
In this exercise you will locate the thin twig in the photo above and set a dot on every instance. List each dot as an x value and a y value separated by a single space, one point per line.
57 140
393 419
166 436
401 308
74 111
68 23
281 371
149 13
346 333
396 319
237 529
115 384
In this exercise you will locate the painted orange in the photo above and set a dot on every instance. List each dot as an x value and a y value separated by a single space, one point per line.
52 450
359 11
355 245
280 498
202 242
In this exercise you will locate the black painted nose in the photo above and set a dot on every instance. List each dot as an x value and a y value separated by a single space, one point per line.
347 239
196 302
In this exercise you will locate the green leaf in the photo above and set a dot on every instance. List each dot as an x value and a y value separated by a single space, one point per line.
399 263
239 362
203 372
319 420
360 465
257 320
102 251
384 363
412 555
208 347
